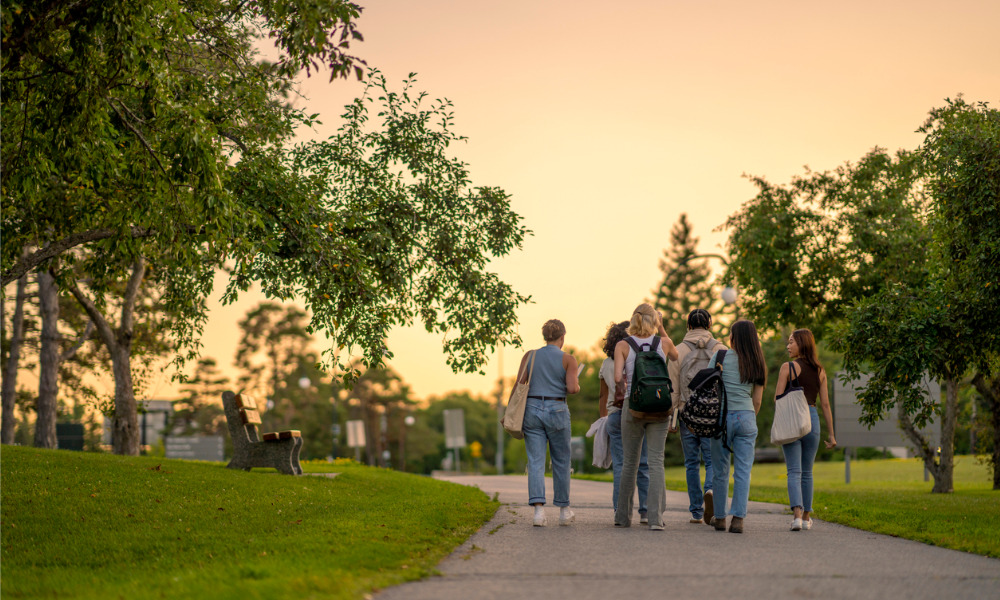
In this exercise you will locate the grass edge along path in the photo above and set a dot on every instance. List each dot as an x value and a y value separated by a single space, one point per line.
82 525
887 496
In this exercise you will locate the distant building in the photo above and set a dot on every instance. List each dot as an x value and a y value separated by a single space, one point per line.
154 415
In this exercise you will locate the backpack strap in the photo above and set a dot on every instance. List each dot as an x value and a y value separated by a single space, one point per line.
633 345
719 357
655 343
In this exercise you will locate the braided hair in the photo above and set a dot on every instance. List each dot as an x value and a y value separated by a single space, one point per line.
699 319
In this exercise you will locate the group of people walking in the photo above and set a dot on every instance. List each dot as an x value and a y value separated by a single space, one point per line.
637 439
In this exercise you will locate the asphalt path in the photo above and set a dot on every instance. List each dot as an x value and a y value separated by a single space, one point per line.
591 559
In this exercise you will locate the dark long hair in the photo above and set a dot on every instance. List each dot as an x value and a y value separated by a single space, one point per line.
616 333
807 348
746 344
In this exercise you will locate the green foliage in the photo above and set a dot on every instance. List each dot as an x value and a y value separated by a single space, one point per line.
802 253
81 525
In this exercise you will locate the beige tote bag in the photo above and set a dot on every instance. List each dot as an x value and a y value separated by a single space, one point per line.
513 416
791 412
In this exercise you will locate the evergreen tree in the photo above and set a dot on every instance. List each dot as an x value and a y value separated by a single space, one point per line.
686 285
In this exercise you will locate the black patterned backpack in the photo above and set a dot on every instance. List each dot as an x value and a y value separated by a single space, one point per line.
705 412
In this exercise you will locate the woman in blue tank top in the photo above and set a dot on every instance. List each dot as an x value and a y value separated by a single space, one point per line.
546 420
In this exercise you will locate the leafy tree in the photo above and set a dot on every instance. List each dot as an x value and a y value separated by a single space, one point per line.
181 162
944 327
200 410
802 253
11 361
273 338
687 284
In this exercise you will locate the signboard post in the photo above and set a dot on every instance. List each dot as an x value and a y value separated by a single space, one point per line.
356 437
454 433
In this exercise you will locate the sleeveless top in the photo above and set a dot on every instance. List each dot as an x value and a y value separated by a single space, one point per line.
607 373
738 394
630 359
549 377
808 379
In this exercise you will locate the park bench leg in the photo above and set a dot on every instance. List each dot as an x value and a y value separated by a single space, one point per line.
295 456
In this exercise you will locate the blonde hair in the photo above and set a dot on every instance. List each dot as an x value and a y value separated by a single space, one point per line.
644 321
553 330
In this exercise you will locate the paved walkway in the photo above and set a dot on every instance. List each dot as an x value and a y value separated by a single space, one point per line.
591 559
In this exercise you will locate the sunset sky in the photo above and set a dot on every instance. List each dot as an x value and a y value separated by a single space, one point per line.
605 121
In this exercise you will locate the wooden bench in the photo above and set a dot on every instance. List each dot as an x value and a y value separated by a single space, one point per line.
279 450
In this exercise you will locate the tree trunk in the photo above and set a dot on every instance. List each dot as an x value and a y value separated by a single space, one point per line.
46 407
990 390
945 483
9 388
125 424
126 437
942 470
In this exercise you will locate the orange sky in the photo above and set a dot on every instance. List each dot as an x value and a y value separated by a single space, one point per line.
605 121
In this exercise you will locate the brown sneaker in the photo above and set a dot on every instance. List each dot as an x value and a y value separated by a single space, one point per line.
736 525
709 507
720 524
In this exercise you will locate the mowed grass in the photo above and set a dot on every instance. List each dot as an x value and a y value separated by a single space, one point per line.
891 497
80 525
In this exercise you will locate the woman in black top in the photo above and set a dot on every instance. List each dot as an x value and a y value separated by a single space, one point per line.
800 454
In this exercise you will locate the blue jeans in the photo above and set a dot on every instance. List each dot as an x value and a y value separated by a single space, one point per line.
614 428
696 448
547 422
741 433
799 458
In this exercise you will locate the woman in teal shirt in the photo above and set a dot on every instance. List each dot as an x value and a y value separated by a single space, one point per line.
743 375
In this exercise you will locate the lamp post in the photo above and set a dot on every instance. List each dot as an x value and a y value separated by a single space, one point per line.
729 294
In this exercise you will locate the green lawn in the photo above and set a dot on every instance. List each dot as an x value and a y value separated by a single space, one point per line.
891 497
83 525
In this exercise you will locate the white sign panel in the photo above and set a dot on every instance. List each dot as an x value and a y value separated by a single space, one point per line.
454 428
853 434
356 434
195 447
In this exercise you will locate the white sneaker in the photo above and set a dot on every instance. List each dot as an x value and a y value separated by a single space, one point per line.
796 525
540 517
807 525
566 516
656 527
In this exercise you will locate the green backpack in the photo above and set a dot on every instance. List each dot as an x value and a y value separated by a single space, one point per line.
650 384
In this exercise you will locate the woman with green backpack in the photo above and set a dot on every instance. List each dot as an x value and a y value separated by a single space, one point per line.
641 371
744 374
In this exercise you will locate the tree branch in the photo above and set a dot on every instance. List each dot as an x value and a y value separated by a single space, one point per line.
128 301
923 446
54 249
89 329
149 148
103 328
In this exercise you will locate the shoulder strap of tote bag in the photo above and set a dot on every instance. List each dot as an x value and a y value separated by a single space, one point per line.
531 368
794 381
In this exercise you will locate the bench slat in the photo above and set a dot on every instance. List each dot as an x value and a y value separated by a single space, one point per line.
245 401
250 416
282 435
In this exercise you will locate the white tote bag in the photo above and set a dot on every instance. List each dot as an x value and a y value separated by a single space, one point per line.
513 416
791 412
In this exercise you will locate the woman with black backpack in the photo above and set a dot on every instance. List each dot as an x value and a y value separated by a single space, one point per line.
744 373
646 348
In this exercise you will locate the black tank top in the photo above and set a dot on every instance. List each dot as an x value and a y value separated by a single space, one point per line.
808 379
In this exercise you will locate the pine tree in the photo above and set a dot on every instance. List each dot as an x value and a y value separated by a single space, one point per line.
687 284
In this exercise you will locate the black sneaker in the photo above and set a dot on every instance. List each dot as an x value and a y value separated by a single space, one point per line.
709 506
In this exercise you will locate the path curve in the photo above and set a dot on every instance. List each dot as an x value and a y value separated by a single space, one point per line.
592 559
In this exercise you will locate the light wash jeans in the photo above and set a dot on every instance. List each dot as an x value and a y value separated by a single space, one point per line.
635 432
696 448
799 458
741 433
614 428
547 422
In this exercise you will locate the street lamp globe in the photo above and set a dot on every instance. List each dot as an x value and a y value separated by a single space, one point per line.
304 382
409 420
729 295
